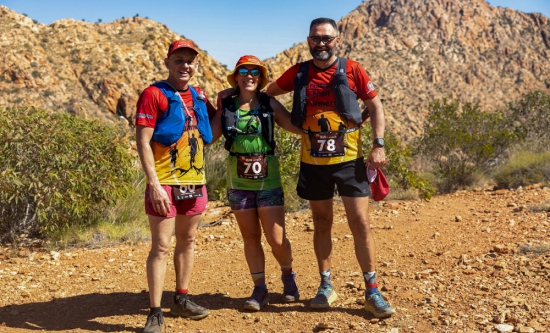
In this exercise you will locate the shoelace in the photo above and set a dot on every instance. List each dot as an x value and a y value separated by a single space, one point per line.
379 301
158 316
257 294
325 290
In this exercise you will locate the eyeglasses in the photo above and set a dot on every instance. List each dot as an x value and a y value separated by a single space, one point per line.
324 39
253 72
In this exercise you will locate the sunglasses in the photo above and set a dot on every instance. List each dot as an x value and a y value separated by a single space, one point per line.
252 72
324 39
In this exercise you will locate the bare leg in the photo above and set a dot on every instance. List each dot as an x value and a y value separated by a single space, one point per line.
251 231
186 230
273 222
322 221
359 224
161 233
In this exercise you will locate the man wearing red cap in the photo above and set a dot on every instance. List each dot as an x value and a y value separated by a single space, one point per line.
325 106
172 127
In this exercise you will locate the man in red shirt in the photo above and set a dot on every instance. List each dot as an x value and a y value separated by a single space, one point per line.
332 155
172 127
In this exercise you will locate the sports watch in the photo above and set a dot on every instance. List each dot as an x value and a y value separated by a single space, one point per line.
379 142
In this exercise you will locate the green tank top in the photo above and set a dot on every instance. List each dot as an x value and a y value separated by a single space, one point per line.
247 122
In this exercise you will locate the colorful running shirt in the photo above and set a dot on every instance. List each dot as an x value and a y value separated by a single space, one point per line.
183 162
251 143
321 113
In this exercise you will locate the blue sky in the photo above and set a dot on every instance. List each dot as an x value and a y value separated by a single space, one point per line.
226 29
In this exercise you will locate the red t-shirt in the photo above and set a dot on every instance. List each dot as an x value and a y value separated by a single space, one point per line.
152 104
321 113
183 162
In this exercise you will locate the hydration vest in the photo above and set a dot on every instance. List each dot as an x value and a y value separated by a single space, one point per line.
264 113
170 126
346 99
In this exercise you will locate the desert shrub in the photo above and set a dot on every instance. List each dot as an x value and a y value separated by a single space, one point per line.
543 207
524 168
403 180
531 118
288 153
215 170
463 142
59 170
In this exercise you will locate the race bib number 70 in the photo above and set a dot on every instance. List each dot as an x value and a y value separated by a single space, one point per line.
252 167
327 144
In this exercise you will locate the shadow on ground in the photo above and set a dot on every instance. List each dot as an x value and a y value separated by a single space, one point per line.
85 312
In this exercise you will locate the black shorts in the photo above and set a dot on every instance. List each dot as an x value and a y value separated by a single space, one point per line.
316 182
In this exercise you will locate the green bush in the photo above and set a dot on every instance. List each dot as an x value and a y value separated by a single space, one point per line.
524 168
215 170
531 116
463 142
58 170
288 154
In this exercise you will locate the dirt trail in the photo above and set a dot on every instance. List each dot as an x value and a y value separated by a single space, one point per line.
464 262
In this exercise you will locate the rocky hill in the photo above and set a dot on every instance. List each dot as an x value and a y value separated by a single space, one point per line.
89 68
414 50
419 50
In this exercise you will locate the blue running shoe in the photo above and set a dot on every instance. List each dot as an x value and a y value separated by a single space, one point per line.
324 298
375 304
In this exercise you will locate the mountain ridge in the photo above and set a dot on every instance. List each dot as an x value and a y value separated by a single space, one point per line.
414 51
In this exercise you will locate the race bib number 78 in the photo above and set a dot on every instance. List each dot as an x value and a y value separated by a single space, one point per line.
327 144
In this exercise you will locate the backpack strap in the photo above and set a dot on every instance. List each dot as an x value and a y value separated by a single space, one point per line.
298 113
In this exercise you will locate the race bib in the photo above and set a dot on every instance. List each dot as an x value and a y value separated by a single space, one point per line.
252 167
327 144
184 192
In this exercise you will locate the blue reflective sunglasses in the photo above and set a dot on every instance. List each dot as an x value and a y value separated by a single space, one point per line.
253 72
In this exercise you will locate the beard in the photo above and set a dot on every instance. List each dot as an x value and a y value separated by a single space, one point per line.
323 53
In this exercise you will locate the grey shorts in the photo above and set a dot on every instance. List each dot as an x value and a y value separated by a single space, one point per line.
245 199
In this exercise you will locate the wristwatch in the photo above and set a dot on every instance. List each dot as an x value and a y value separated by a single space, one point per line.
379 142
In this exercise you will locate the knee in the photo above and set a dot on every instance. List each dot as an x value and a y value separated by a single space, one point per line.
186 241
322 225
160 250
252 239
359 225
278 245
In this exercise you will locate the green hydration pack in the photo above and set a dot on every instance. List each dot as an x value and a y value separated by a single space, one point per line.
346 99
264 112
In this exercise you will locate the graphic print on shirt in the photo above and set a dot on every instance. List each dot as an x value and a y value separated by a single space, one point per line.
191 133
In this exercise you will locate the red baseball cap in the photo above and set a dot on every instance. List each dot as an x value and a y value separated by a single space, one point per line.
178 44
249 60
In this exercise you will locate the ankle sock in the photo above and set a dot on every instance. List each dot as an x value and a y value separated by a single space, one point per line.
325 277
287 269
154 311
370 283
259 279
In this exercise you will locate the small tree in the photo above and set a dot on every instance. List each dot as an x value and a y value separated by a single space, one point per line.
531 116
463 142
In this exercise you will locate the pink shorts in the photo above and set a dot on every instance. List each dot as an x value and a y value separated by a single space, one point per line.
180 207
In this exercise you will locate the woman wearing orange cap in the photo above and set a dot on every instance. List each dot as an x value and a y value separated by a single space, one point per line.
254 187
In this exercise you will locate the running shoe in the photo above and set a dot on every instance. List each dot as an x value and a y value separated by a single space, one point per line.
259 298
290 291
324 298
375 304
154 323
184 307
